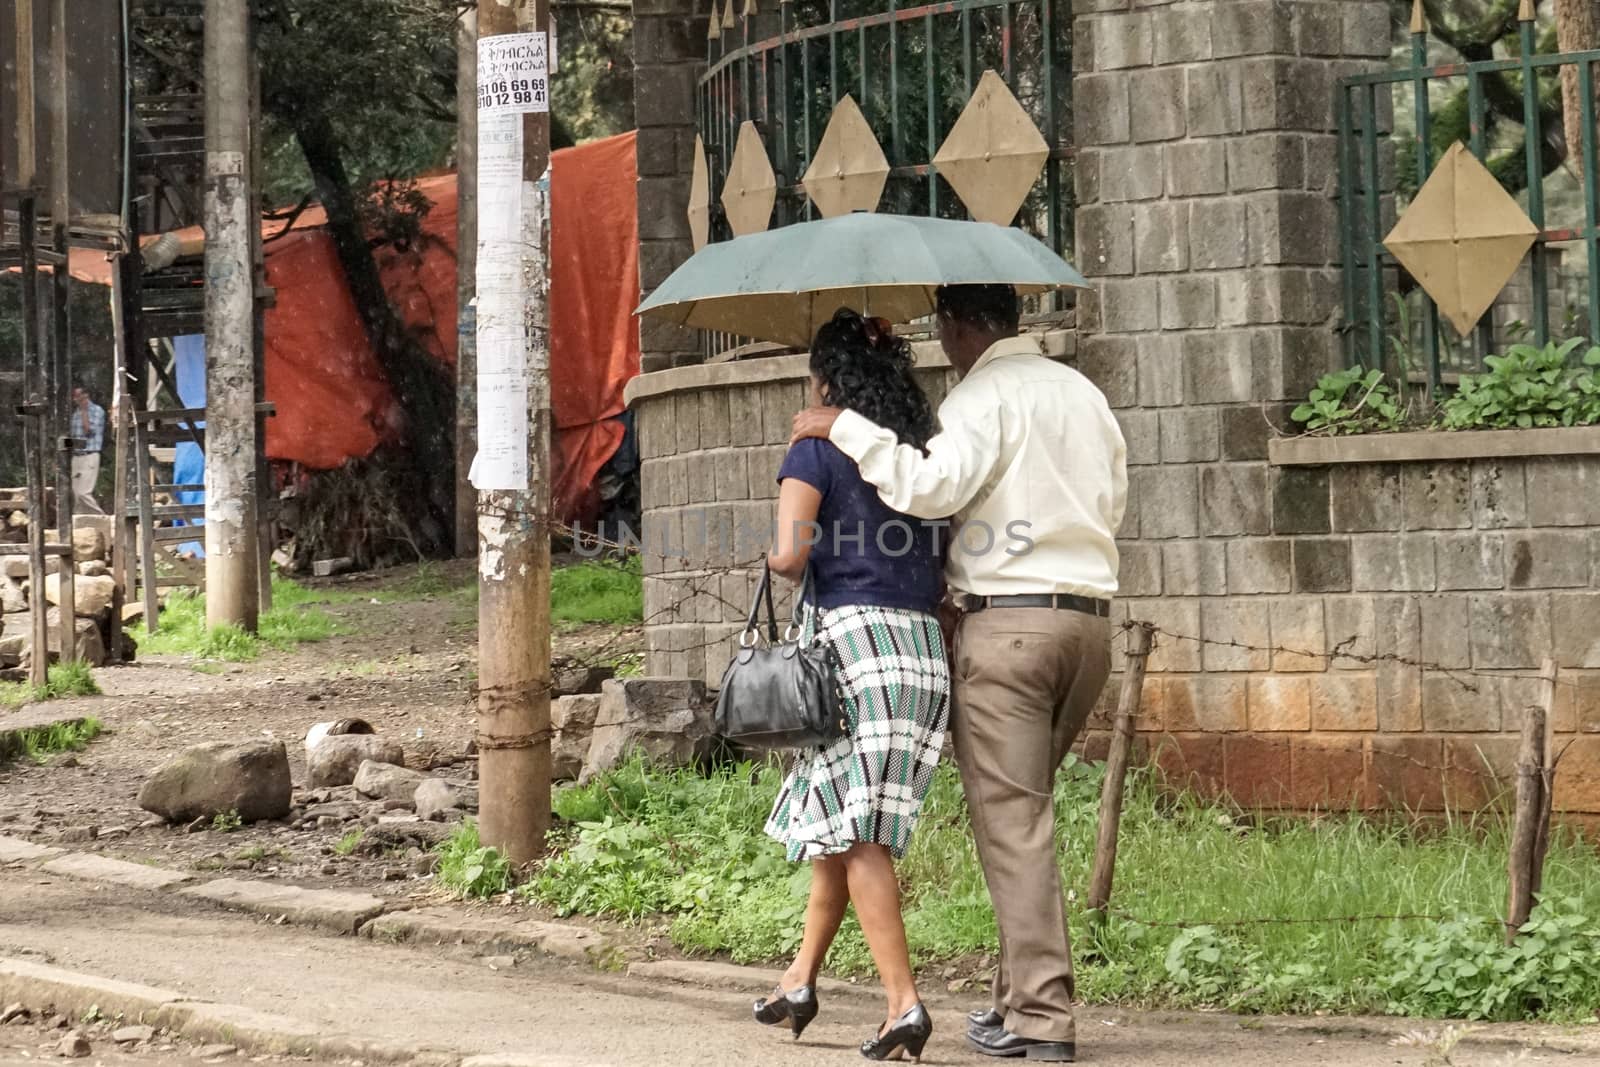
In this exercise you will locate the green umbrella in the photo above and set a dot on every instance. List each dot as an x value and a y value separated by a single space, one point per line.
783 284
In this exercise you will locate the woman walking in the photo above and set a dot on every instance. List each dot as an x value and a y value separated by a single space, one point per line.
850 808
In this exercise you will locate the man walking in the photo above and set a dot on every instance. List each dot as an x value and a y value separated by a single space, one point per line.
88 424
1031 463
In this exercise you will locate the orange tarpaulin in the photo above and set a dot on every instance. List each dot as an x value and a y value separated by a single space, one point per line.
333 399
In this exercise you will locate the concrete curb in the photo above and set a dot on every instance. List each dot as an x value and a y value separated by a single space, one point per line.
328 909
41 987
442 926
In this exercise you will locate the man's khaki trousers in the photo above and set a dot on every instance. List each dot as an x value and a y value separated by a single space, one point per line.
1026 680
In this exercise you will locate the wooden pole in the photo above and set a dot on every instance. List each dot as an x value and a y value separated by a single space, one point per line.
36 436
512 469
1105 849
61 324
232 562
466 280
1548 674
1525 822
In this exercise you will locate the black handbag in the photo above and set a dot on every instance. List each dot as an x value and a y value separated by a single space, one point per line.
785 693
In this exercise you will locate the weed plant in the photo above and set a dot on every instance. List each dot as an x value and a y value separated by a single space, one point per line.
1193 878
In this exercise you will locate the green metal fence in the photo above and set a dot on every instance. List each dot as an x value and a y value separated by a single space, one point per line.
911 69
1368 178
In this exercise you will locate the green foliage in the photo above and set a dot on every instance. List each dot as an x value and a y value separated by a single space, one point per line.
226 822
689 847
1528 387
1354 400
40 743
295 619
598 591
1464 968
347 844
470 868
74 679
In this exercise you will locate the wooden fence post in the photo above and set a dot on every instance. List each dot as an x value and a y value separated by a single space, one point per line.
1105 850
1530 827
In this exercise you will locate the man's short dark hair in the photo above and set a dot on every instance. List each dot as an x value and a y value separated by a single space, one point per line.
993 308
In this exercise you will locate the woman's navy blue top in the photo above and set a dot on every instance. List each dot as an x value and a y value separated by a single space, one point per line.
865 552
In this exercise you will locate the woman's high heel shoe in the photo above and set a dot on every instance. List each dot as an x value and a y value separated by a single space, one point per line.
909 1033
798 1007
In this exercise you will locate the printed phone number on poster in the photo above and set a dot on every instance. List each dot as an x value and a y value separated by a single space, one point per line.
520 94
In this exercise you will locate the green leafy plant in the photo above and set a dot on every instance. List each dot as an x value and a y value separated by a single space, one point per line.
1354 400
1528 387
347 844
470 868
226 822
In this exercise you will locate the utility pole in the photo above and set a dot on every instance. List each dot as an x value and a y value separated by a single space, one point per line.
466 279
36 421
232 559
512 468
61 324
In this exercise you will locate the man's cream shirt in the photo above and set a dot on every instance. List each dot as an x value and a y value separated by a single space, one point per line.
1029 461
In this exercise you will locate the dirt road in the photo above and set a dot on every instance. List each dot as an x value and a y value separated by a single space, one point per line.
405 661
567 1016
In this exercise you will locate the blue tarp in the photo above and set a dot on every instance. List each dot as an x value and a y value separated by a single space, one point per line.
189 465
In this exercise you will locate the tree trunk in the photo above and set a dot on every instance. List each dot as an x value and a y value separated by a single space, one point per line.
1575 32
421 385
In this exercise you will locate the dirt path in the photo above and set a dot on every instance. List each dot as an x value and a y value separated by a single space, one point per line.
405 661
565 1015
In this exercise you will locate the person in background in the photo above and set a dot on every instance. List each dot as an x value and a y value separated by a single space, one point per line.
1030 458
88 425
849 808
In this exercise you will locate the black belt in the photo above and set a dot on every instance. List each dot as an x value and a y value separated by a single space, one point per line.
1060 601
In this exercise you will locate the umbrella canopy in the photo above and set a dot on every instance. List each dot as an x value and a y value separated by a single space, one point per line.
783 284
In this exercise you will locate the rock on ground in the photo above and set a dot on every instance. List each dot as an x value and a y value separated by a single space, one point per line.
571 677
572 720
133 1035
668 720
91 596
384 781
250 778
335 760
74 1046
440 799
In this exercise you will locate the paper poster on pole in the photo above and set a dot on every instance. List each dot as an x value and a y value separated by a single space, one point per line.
513 74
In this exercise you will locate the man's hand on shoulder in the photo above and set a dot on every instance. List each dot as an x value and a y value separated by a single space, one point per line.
814 422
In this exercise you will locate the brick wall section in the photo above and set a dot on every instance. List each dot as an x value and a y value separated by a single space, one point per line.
669 42
1473 572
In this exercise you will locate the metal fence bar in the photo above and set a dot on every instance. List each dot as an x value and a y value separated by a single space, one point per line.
1430 317
896 154
1591 201
1369 136
1483 336
1441 71
1534 139
933 113
1347 221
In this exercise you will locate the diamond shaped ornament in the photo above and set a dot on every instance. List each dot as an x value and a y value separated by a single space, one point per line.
849 170
700 197
1462 238
994 153
752 188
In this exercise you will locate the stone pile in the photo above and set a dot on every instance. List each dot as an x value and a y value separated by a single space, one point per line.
93 592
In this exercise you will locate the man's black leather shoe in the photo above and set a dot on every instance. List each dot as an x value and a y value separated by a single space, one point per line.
984 1019
1000 1042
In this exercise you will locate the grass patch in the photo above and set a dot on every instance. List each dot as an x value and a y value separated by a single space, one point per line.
297 617
689 848
226 822
75 679
347 844
42 742
598 591
469 868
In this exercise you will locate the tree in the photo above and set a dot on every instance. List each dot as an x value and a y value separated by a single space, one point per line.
1576 31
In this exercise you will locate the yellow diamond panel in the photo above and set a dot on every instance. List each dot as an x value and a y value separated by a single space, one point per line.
700 197
1462 238
752 187
993 154
849 170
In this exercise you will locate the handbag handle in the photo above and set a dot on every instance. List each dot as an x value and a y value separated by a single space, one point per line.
806 593
763 592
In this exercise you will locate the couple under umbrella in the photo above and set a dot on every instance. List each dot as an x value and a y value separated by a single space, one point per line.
1002 638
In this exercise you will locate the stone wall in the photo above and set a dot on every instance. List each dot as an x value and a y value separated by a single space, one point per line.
1368 633
669 46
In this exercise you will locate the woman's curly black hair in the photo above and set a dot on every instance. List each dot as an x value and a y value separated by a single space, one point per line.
864 367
